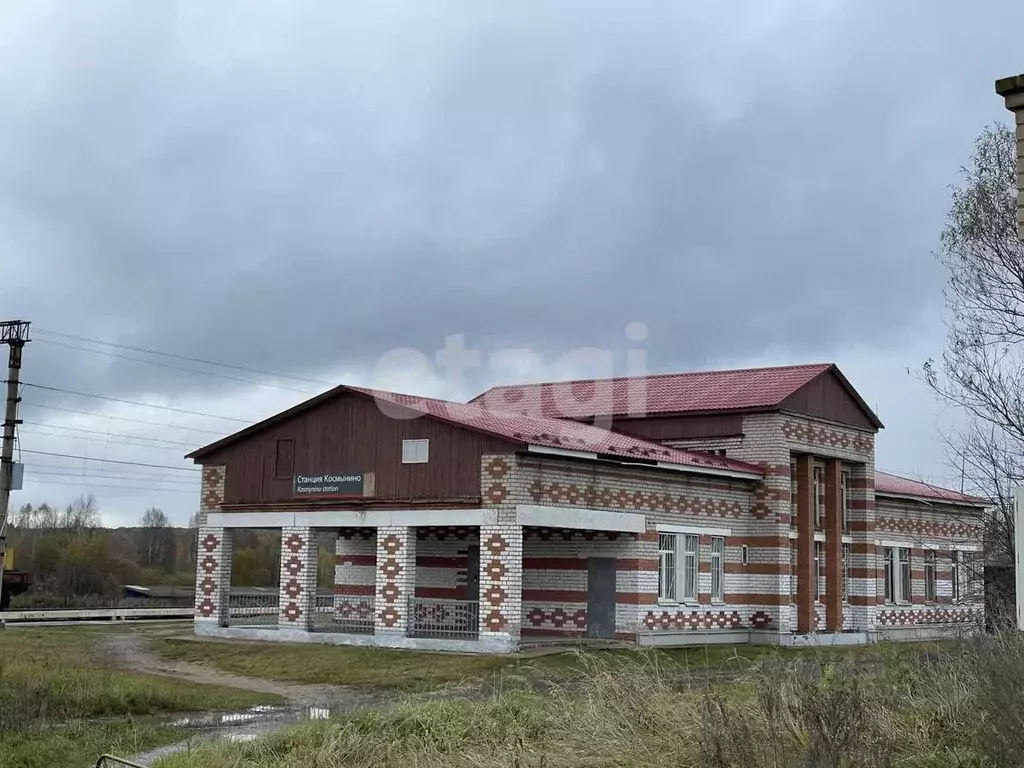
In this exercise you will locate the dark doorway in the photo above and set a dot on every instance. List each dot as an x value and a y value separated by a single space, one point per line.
601 597
473 573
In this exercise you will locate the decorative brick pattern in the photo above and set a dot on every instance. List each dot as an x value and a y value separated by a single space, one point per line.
355 561
809 433
211 492
683 619
395 578
932 529
902 617
580 495
213 575
297 595
558 618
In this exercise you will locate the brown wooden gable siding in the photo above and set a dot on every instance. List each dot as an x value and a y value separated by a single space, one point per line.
681 427
351 434
825 397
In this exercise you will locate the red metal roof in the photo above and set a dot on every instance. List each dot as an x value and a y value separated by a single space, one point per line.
902 486
738 390
555 433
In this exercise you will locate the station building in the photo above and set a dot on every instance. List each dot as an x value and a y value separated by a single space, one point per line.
722 506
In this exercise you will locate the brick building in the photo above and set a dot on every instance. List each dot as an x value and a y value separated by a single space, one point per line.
729 506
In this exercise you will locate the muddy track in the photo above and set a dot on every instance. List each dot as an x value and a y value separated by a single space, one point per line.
132 652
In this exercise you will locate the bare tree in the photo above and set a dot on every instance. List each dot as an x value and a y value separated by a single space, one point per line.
982 366
156 537
81 514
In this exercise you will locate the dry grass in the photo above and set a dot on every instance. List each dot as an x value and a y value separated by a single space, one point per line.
959 705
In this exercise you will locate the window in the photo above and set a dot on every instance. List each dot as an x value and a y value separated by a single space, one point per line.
744 555
817 497
673 585
890 575
846 500
415 451
794 489
666 566
819 558
964 576
718 568
792 571
954 558
929 576
690 558
846 571
905 575
284 459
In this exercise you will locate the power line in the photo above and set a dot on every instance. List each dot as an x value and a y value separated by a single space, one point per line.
108 434
108 353
94 440
111 461
97 414
135 402
186 358
118 487
103 476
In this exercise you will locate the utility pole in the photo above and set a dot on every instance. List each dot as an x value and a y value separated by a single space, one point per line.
13 333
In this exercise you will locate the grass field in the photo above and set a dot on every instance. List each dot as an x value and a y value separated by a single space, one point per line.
394 670
62 702
957 705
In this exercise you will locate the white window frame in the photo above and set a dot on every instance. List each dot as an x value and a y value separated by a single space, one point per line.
668 566
906 583
682 550
718 569
889 574
691 568
930 582
819 556
794 492
846 482
416 451
846 571
816 484
954 574
793 578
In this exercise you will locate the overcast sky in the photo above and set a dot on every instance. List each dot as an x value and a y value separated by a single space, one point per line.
305 188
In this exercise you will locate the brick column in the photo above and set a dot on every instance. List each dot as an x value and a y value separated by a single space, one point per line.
395 579
1012 90
805 618
213 578
355 561
834 545
297 596
211 494
501 581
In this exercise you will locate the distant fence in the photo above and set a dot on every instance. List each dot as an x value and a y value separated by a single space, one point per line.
98 614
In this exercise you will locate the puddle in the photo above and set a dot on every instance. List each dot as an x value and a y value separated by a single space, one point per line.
244 725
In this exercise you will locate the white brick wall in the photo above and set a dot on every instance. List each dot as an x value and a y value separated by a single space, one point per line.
297 590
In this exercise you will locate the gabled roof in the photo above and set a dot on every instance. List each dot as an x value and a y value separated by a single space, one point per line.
747 389
517 428
894 485
558 433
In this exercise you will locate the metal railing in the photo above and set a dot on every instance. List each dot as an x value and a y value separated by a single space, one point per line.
456 619
252 610
352 614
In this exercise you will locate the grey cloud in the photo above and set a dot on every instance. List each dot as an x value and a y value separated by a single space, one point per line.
306 189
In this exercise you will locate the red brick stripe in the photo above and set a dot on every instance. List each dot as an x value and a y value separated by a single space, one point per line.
439 561
354 589
580 596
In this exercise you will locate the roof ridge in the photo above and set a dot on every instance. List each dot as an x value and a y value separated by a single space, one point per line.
799 366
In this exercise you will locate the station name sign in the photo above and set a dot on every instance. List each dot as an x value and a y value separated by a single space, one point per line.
328 485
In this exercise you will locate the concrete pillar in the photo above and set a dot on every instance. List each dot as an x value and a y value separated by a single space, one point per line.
501 581
1012 90
395 579
213 578
297 596
355 561
805 576
833 545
